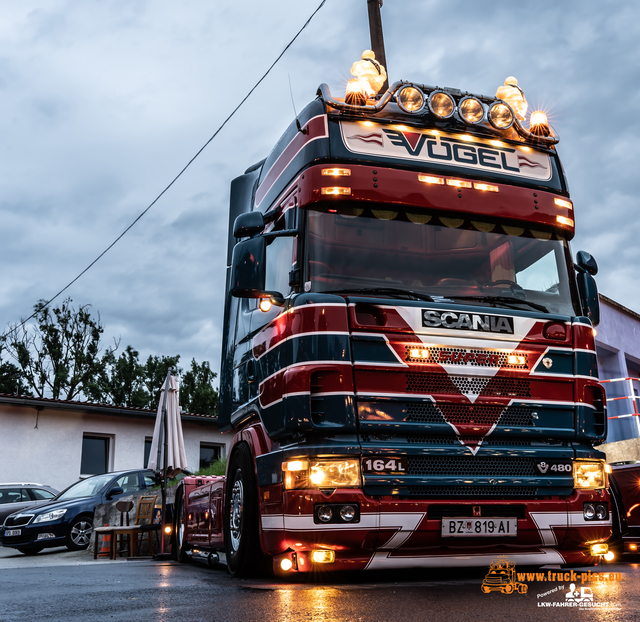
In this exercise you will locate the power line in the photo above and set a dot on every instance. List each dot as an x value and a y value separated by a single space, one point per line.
173 181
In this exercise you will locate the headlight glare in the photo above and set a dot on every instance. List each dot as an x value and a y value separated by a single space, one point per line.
49 516
342 473
589 475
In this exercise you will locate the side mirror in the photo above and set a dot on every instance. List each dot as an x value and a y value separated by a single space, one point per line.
248 224
587 263
114 492
248 271
589 300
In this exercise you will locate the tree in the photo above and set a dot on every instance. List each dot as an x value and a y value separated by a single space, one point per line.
59 354
12 379
197 394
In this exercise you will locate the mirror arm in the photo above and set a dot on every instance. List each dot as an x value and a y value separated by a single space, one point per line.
276 298
283 233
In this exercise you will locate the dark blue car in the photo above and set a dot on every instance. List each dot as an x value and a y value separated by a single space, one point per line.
68 519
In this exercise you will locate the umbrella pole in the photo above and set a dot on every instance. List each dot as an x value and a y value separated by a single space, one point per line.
165 462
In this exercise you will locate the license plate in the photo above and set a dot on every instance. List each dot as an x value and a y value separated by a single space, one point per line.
387 466
12 532
479 527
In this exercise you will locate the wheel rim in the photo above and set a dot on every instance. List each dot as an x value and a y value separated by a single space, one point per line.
81 533
235 518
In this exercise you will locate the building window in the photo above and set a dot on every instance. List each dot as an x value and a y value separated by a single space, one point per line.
95 455
209 453
147 450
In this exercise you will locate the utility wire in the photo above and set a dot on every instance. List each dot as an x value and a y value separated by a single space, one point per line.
173 181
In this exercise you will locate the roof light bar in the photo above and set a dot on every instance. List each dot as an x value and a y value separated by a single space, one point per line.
431 179
563 203
459 183
334 190
563 220
336 172
486 187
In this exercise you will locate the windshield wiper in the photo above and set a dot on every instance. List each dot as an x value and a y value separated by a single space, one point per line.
385 291
503 300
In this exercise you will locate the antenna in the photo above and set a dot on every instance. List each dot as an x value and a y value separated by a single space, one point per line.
300 128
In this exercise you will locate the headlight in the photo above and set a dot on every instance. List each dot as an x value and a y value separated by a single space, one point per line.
343 473
441 104
49 516
410 99
589 475
501 116
471 110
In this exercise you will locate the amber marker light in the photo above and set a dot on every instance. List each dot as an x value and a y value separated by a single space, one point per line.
486 187
417 353
513 359
563 203
335 190
265 305
323 557
563 220
168 530
367 123
336 172
467 138
431 179
286 564
459 183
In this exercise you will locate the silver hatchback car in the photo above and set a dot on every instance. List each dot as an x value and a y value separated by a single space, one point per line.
17 496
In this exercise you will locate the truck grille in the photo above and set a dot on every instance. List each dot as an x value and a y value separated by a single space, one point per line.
455 385
478 466
472 491
437 511
480 414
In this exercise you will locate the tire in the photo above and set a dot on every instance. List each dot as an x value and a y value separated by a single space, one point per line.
241 537
180 546
30 550
79 536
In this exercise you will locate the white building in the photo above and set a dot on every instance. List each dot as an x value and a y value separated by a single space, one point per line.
55 442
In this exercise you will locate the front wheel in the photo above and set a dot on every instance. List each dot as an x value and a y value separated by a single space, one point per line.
241 538
79 536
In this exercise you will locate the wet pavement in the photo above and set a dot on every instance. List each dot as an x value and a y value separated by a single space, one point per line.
63 585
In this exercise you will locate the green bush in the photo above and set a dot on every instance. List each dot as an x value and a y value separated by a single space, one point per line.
218 467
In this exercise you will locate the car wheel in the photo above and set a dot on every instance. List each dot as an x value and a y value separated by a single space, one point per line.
181 547
30 550
79 536
241 539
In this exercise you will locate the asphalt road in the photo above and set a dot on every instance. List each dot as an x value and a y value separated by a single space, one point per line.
60 585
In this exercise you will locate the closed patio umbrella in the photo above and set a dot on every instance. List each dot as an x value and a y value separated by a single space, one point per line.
167 435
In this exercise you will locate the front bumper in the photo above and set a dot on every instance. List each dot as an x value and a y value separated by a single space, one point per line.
399 533
28 536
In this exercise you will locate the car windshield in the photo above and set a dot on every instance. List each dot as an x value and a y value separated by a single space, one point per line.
404 254
85 488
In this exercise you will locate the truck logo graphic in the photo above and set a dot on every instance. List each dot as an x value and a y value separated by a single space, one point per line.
467 321
502 578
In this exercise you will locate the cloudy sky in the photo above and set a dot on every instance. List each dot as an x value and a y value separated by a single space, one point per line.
102 102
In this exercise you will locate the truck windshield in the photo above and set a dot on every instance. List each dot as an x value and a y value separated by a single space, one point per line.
417 255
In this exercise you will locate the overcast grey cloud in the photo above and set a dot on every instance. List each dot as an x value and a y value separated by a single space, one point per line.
103 101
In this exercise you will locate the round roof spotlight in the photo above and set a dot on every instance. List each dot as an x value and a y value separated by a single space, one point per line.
441 104
501 116
410 99
471 110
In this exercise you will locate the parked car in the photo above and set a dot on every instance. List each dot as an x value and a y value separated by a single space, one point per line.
67 520
18 496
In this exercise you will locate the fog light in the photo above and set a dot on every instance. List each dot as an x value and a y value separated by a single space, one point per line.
610 556
631 547
286 564
325 513
45 536
441 104
601 511
323 557
599 549
501 116
410 99
347 513
589 511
